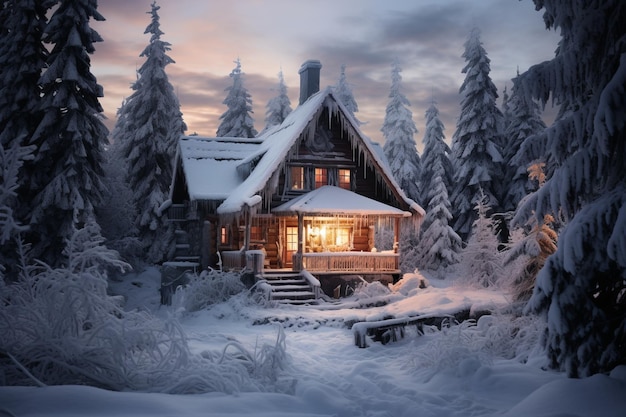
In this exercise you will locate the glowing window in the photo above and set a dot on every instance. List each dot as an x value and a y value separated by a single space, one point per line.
224 235
342 237
297 178
292 239
344 178
321 177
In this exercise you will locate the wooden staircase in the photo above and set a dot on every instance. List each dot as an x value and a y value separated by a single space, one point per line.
183 247
291 288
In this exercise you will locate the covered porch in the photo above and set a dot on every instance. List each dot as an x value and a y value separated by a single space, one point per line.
332 231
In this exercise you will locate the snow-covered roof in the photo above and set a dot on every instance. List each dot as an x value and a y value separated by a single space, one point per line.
239 171
211 164
337 201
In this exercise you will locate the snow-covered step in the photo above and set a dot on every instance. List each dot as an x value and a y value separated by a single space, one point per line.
289 288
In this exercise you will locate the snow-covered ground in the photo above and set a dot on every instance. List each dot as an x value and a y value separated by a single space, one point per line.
460 371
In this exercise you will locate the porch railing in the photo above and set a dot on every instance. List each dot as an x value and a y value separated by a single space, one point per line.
233 260
348 261
326 261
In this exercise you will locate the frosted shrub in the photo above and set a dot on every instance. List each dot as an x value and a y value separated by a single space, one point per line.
370 289
450 347
472 344
480 260
208 288
59 326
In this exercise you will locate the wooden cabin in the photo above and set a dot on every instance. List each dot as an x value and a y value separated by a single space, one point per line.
309 194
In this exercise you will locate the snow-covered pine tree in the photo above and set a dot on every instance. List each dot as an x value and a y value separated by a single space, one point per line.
147 131
582 288
67 175
279 106
481 263
476 154
439 245
398 129
524 121
345 95
22 58
237 120
11 161
506 109
436 155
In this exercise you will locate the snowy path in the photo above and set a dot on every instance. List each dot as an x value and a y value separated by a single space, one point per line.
332 376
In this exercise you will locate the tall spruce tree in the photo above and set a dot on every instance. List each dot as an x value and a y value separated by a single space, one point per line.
439 245
66 177
581 289
237 120
524 121
279 106
436 155
345 94
399 130
22 58
149 126
476 153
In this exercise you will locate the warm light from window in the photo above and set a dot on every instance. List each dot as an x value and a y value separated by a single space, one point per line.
297 178
344 178
292 239
224 235
321 177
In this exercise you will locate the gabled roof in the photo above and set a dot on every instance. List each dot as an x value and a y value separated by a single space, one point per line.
337 201
239 171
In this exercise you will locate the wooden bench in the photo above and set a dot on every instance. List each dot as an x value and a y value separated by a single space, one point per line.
393 329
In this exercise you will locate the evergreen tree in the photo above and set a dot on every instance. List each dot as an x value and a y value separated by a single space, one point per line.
237 120
439 245
524 121
11 161
581 289
436 155
345 95
480 259
148 128
22 58
66 177
279 107
398 129
476 155
506 109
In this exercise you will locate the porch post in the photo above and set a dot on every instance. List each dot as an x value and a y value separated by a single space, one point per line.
300 252
247 224
396 234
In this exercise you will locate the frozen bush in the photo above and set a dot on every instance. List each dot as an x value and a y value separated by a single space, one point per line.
59 326
208 288
498 336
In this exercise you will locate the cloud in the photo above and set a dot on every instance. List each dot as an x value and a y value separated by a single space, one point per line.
426 36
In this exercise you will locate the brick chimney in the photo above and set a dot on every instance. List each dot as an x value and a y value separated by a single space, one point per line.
309 79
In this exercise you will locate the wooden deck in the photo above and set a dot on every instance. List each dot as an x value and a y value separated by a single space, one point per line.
350 262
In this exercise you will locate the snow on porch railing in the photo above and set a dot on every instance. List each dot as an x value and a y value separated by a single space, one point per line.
350 261
233 259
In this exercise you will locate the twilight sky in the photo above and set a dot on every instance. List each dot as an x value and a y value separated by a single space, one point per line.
426 36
